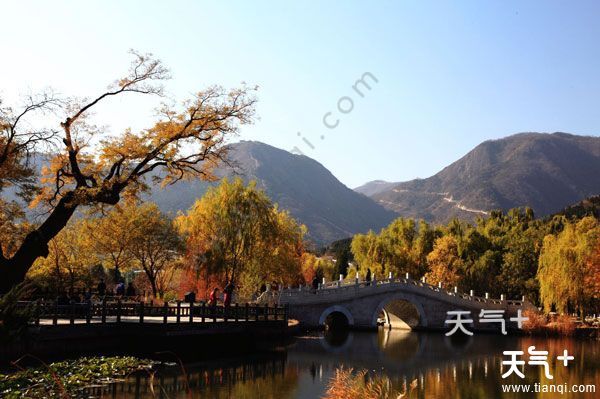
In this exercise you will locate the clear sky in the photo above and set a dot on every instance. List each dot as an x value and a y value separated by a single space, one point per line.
450 74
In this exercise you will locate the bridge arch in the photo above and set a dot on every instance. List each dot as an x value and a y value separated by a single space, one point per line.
401 311
333 310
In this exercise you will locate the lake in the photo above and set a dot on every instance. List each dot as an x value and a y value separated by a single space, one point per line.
437 366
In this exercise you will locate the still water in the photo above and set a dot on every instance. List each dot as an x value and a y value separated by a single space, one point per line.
438 367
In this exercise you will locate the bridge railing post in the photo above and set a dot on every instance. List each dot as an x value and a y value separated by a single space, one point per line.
141 308
37 313
118 311
89 312
165 312
72 315
178 311
267 311
55 315
191 316
103 311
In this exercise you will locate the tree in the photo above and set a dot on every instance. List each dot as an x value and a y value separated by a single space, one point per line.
112 235
399 248
342 259
13 226
567 270
69 264
366 251
444 262
185 142
235 232
20 137
282 260
155 247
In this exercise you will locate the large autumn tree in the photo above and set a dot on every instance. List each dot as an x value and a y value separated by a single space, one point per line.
90 168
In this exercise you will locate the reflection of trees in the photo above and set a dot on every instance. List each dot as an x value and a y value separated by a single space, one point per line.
452 368
263 378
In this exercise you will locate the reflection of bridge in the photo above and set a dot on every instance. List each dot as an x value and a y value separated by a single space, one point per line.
401 303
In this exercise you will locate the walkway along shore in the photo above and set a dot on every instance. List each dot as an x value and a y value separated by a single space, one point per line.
115 327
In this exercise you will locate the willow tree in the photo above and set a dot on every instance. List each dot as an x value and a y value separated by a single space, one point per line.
90 168
568 268
235 233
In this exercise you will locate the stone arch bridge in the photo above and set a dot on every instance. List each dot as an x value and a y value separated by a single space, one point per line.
398 303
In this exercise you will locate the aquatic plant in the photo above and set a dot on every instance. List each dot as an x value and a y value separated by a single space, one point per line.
69 378
350 384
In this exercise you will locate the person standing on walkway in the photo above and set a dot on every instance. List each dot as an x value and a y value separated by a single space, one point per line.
228 294
130 290
315 284
101 288
212 298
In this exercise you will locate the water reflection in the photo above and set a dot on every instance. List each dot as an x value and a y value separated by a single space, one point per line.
442 367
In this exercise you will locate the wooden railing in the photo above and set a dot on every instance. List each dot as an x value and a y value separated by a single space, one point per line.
52 313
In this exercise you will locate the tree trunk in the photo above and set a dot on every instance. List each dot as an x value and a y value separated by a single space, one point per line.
151 278
154 289
35 244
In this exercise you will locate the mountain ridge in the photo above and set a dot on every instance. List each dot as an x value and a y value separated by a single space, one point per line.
544 171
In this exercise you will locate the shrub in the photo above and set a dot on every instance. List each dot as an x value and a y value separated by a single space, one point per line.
564 325
536 323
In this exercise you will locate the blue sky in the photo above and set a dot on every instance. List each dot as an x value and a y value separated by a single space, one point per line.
450 74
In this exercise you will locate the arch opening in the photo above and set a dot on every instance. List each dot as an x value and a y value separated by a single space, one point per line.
336 321
399 314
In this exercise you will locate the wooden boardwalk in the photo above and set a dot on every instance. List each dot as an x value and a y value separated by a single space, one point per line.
47 313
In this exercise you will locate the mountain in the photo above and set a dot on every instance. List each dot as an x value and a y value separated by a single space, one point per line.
299 184
374 187
546 172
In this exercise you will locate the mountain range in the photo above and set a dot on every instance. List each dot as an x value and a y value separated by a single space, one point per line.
546 172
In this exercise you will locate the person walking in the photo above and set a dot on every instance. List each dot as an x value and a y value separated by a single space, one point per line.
368 278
